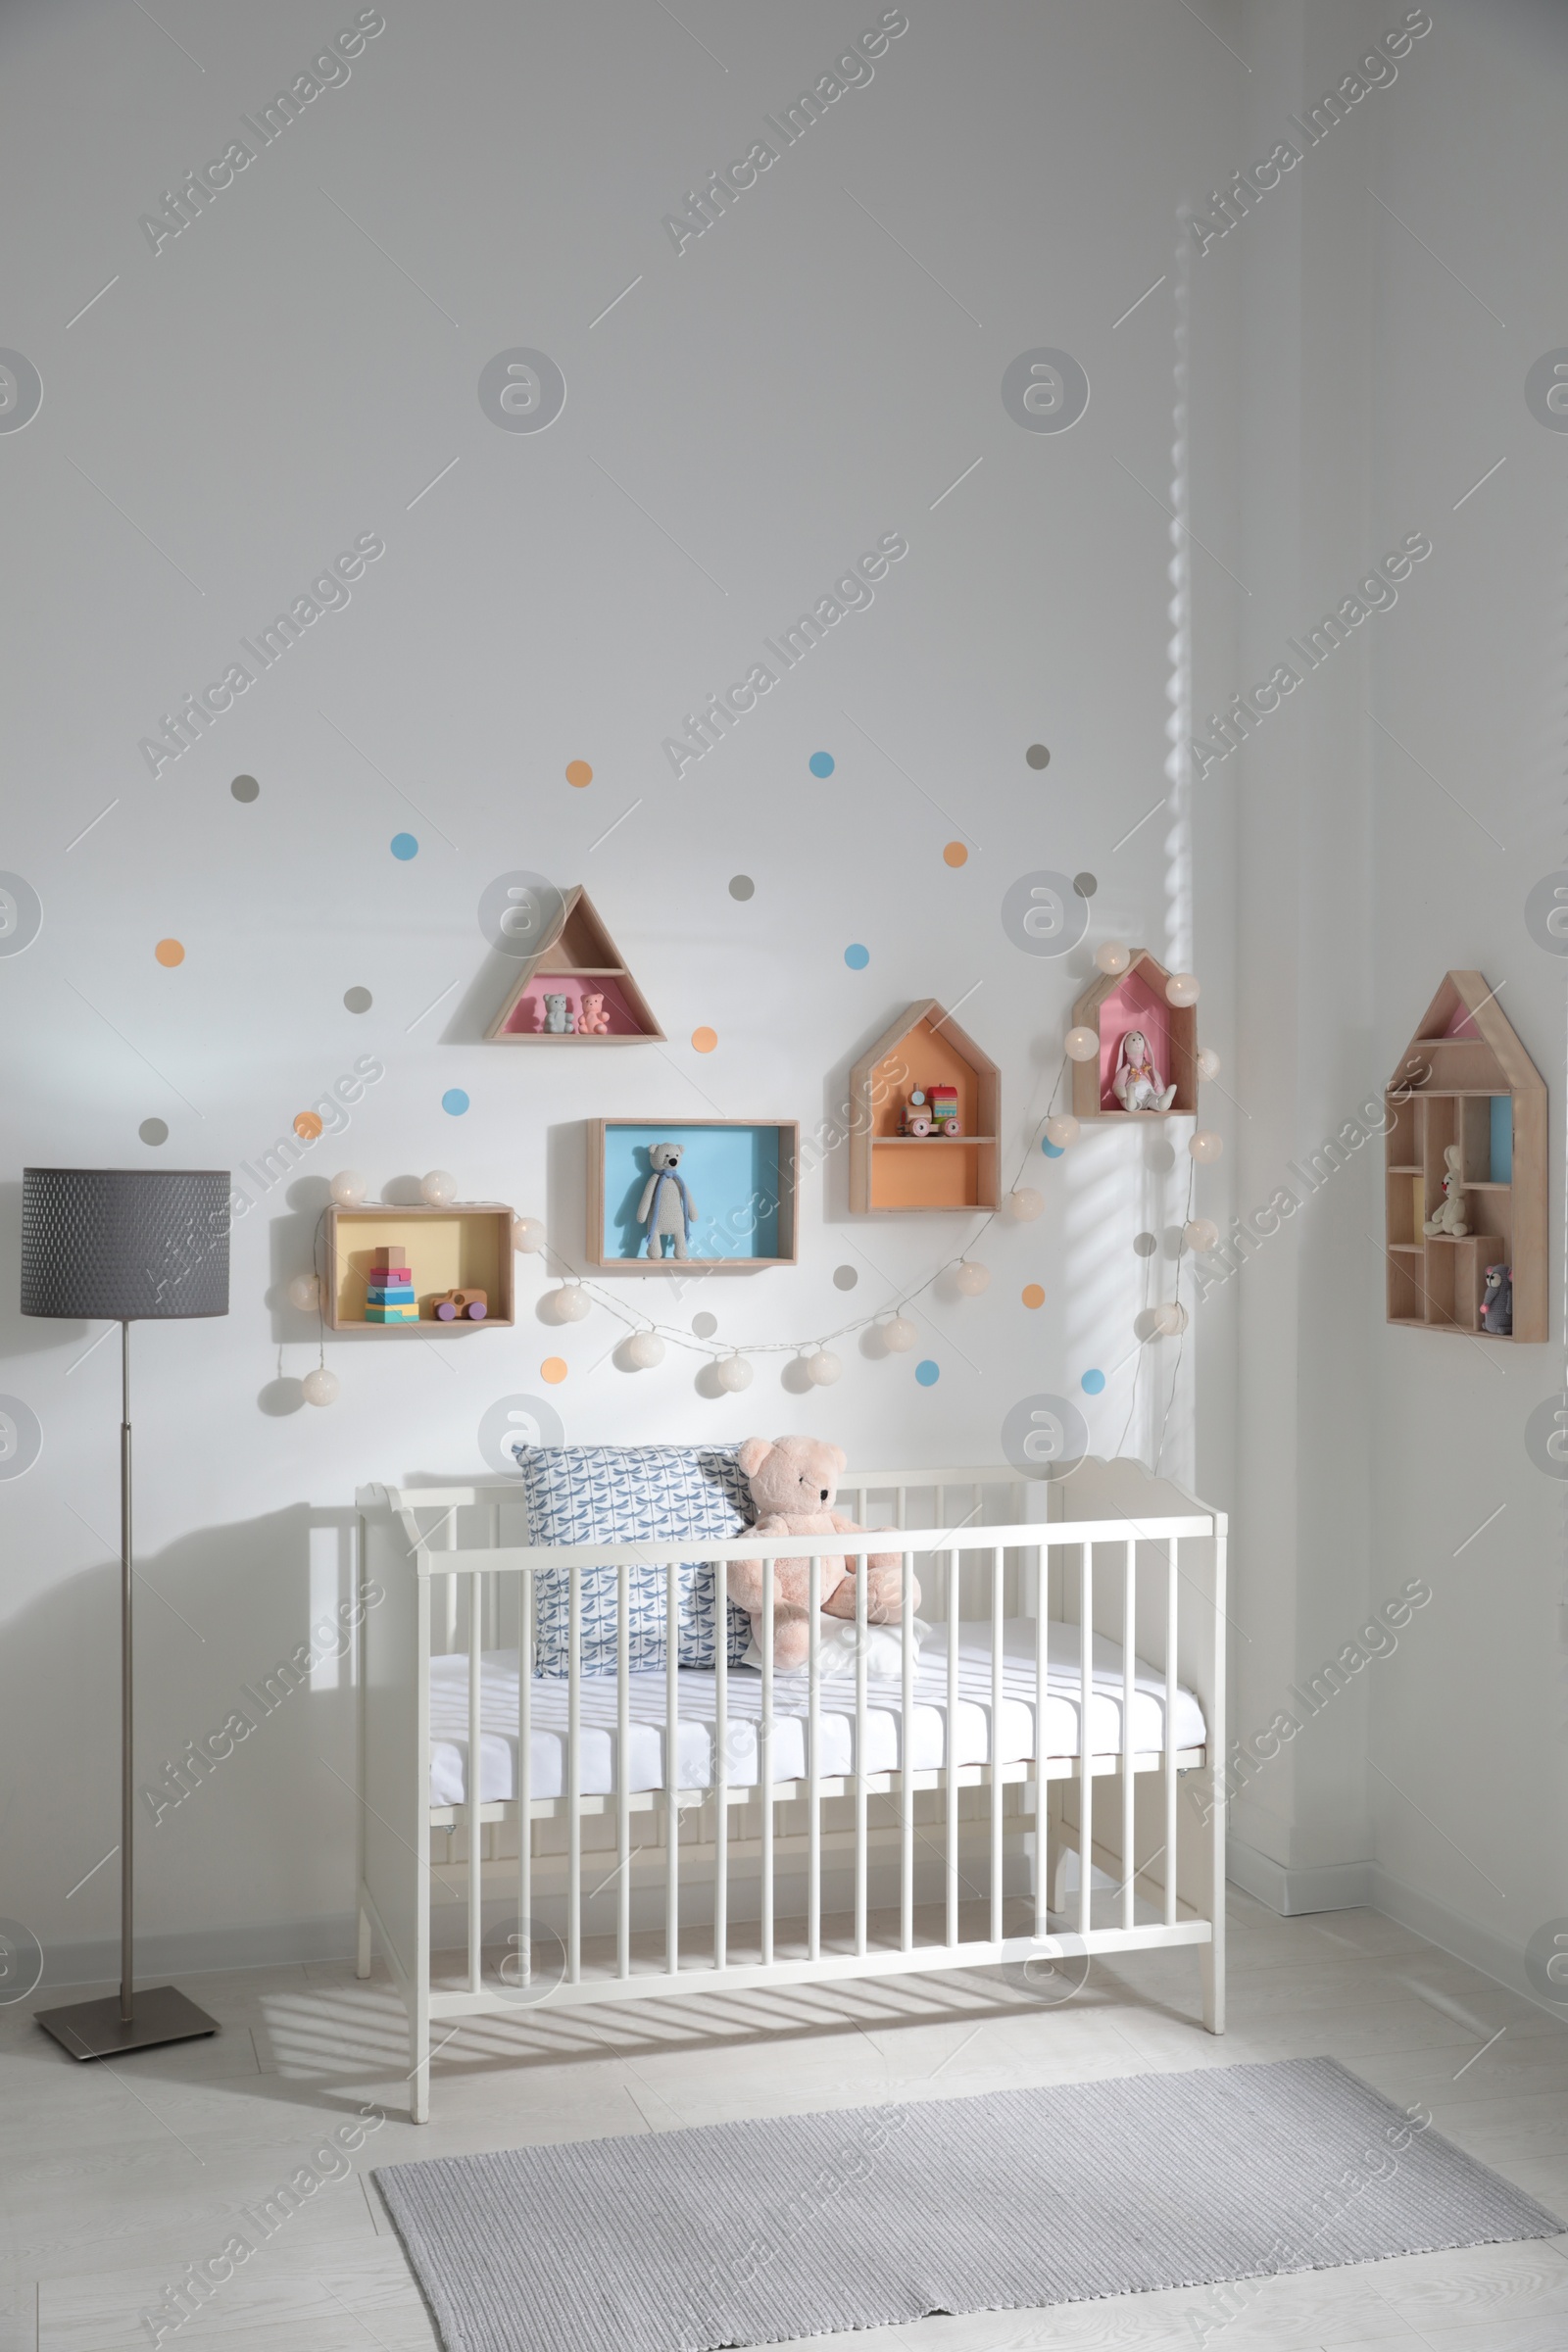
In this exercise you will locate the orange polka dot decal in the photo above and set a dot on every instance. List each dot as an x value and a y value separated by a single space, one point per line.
168 953
955 853
552 1369
1033 1295
705 1040
579 772
308 1126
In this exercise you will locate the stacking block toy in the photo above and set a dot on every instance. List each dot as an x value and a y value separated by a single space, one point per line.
389 1288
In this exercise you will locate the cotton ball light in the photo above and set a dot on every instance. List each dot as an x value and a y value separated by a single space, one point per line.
824 1368
1169 1318
899 1336
571 1302
527 1233
644 1349
1082 1043
1200 1234
348 1188
1205 1145
733 1373
1113 957
319 1386
971 1277
1182 988
438 1188
305 1292
1209 1064
1062 1130
1025 1205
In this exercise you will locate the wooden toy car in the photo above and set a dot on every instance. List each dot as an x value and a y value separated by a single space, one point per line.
916 1118
456 1306
944 1101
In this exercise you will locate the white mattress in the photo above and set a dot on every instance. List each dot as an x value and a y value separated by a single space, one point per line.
648 1741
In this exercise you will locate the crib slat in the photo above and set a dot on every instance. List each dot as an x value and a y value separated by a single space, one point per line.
574 1779
860 1621
476 1735
1129 1687
624 1774
1041 1686
764 1763
1085 1694
906 1760
952 1855
524 1957
996 1742
671 1769
814 1834
720 1773
1170 1732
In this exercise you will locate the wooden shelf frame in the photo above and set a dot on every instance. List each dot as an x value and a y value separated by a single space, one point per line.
577 946
466 1244
1088 1080
1464 1055
788 1146
924 1047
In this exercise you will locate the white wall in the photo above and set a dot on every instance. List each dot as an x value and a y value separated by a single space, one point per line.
756 411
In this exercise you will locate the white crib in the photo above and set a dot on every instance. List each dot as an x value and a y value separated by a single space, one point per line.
637 1836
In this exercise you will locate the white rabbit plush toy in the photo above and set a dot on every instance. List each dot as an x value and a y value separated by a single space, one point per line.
1137 1084
1448 1216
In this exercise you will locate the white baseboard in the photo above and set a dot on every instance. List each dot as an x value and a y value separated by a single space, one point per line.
1292 1892
1358 1885
195 1951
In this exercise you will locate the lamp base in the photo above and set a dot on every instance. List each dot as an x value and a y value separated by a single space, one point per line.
96 2029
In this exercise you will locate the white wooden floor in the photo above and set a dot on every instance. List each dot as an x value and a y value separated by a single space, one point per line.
115 2179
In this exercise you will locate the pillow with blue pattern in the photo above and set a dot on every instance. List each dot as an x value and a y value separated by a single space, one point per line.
620 1495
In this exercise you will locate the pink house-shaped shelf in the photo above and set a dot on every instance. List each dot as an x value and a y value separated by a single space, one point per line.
1135 999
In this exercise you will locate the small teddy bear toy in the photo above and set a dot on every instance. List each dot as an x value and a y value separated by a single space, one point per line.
794 1484
1448 1216
1137 1084
1496 1305
593 1020
666 1207
557 1018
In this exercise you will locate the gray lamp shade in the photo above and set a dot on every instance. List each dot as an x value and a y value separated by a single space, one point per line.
124 1245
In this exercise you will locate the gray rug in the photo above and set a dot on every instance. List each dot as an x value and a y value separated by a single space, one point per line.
756 2232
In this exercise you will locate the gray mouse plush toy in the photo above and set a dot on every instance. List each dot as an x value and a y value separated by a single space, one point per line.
666 1207
1497 1306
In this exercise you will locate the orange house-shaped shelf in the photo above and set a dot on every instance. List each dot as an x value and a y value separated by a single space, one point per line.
578 958
1466 1080
892 1173
1135 999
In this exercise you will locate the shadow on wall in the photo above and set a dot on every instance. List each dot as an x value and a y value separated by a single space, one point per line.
245 1752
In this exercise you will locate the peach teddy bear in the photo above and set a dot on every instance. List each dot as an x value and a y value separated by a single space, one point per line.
593 1020
794 1483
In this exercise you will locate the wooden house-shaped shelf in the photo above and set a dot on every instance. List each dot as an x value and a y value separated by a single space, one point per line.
466 1246
578 958
1466 1080
1136 1000
897 1174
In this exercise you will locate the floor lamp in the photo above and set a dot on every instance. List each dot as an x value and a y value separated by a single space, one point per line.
126 1246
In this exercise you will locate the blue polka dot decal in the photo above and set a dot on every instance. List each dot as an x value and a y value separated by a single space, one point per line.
821 763
1051 1150
455 1100
856 957
927 1373
405 846
1092 1383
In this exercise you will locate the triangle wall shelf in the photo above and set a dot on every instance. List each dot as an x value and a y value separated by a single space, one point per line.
577 962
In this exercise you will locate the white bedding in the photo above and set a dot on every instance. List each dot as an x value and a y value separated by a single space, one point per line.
646 1748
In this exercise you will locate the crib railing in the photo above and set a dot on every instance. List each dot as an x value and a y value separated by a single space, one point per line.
1166 1880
